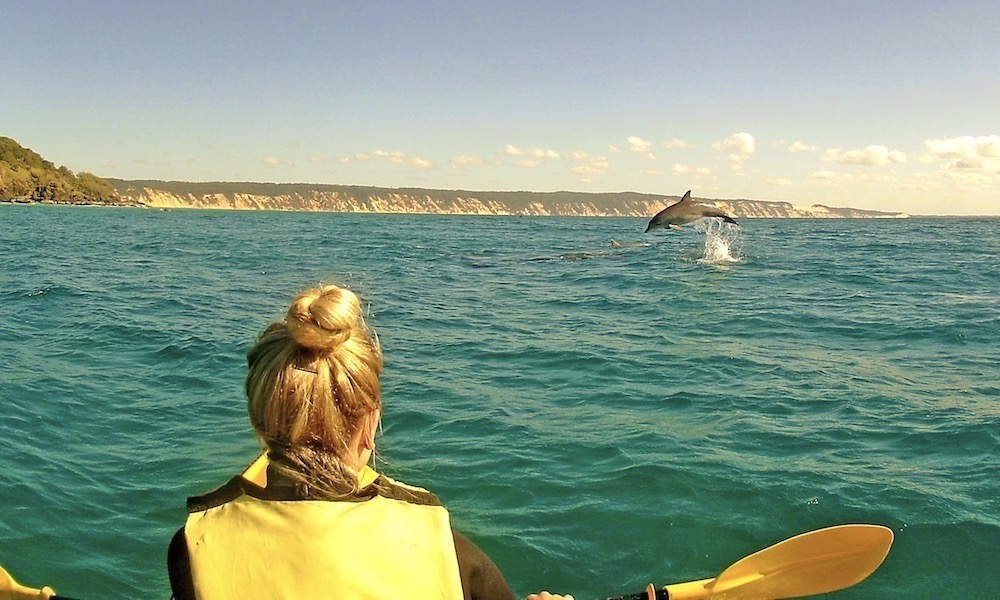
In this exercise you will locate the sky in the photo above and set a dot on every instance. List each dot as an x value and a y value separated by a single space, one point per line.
878 105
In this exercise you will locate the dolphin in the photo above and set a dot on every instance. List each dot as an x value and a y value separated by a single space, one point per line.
617 244
683 212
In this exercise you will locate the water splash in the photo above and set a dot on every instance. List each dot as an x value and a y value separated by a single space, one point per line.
722 242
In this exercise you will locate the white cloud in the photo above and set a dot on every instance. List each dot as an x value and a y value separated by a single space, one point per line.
800 147
966 153
741 145
586 170
688 170
640 146
612 149
637 144
973 164
317 159
779 182
421 163
592 165
676 143
986 146
274 162
395 157
527 163
511 150
357 156
872 156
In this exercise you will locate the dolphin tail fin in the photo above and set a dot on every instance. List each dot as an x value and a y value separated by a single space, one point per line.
729 219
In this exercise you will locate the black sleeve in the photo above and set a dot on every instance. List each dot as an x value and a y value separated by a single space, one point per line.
179 568
481 579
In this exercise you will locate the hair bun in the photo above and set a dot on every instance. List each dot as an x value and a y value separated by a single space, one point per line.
322 319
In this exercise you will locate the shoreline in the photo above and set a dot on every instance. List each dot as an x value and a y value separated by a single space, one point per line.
139 205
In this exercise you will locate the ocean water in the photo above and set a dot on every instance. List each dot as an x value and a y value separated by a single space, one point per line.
595 418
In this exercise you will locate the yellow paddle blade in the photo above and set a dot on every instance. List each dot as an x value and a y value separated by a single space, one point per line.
809 564
12 590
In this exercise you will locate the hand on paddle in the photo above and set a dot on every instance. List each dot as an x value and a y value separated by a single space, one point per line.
548 596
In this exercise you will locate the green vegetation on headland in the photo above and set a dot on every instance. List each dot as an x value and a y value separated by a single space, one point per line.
27 177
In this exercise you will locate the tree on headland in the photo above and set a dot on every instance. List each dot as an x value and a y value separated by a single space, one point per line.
26 176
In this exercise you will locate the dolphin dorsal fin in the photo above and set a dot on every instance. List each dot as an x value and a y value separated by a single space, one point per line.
685 198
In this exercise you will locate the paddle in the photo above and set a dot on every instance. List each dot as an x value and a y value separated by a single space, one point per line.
12 590
812 563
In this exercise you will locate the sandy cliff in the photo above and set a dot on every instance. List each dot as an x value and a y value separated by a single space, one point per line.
330 198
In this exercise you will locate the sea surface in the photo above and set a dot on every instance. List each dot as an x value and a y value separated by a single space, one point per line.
595 417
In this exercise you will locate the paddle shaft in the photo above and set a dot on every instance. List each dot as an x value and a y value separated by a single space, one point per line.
660 595
676 591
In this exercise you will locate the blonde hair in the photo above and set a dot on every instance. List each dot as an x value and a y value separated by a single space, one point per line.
311 380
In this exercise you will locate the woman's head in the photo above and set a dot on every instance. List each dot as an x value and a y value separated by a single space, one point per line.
313 377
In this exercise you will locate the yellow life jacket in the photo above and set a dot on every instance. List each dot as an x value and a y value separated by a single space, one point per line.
381 546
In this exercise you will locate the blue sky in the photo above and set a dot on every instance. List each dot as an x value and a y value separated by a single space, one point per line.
882 105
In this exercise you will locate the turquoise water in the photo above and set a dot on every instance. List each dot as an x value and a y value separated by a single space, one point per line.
595 418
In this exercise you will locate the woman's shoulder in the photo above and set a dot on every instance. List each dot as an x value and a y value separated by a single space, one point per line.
227 492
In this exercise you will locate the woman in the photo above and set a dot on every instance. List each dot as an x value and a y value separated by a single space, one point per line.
324 524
